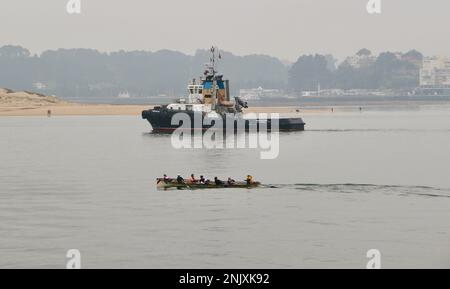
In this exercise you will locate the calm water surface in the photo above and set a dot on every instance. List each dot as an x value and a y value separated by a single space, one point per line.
353 181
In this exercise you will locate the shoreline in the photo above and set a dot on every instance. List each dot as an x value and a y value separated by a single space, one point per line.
72 109
25 103
80 109
85 109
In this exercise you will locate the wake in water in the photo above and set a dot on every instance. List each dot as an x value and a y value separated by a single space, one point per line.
350 188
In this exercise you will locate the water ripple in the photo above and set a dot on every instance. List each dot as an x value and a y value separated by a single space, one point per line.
349 188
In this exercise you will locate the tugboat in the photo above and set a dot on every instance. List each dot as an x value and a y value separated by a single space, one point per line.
209 101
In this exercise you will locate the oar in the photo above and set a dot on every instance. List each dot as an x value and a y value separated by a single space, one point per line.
189 187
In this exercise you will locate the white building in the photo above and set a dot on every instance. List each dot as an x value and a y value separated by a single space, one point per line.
358 61
259 93
39 85
435 72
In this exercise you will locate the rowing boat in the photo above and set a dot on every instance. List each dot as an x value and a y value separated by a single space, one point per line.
163 184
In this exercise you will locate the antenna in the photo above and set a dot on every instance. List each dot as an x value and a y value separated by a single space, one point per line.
213 72
213 59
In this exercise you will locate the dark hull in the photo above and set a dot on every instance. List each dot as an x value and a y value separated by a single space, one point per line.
163 185
160 121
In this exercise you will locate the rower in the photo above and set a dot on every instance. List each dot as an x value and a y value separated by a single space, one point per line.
166 178
231 181
249 180
193 179
218 182
202 180
180 179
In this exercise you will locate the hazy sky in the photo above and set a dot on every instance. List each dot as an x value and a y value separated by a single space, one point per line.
282 28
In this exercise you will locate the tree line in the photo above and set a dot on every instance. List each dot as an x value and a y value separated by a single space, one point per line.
386 71
90 73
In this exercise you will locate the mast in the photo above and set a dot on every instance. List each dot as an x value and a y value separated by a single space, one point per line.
212 77
213 51
212 62
214 80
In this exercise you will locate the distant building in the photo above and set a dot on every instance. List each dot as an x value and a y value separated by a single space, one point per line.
362 58
259 93
124 94
39 85
435 72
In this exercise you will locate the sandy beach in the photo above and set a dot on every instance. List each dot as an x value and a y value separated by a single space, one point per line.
32 104
74 109
24 103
